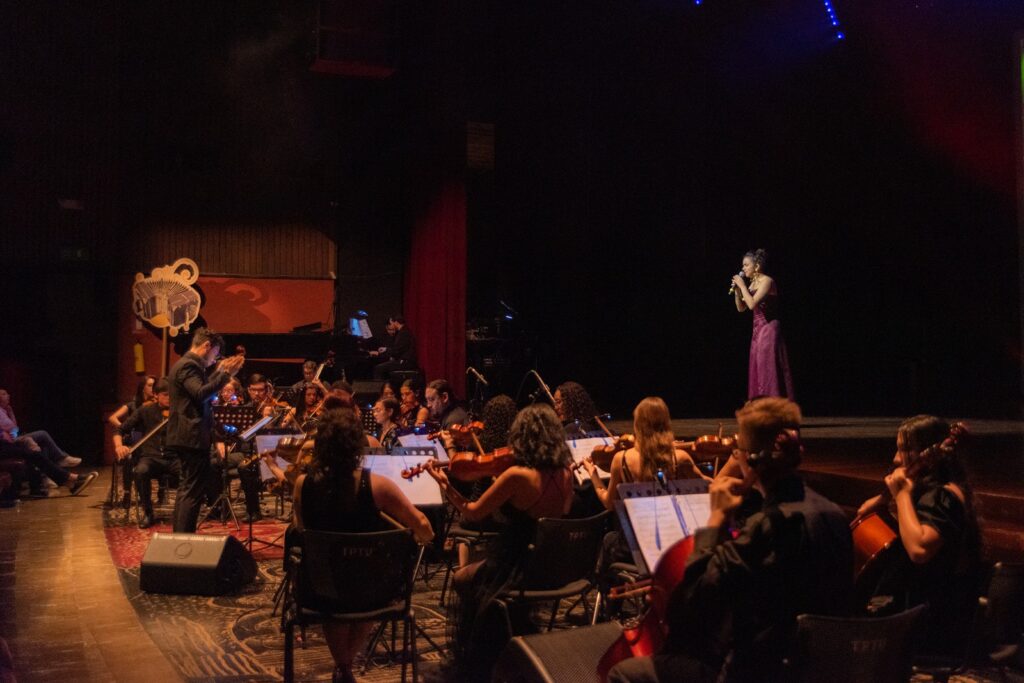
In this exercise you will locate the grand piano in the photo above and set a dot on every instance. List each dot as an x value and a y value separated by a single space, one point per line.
280 356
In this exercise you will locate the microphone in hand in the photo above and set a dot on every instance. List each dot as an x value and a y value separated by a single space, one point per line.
732 288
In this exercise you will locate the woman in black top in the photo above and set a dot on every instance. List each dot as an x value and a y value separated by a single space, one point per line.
386 413
339 495
941 547
538 485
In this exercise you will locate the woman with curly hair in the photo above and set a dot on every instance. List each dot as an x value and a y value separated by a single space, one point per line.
768 374
938 528
538 485
575 408
339 495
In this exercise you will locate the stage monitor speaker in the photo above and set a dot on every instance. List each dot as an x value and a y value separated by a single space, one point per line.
195 564
367 391
566 656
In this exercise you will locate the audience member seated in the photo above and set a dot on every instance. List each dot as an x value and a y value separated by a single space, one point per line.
143 395
413 411
339 495
575 409
41 466
538 485
385 413
938 562
40 440
150 460
444 406
733 616
399 351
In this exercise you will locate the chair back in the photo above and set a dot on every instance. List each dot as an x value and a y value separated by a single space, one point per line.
565 550
355 572
1004 604
855 649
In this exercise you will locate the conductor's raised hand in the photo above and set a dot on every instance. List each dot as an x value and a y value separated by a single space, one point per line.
231 364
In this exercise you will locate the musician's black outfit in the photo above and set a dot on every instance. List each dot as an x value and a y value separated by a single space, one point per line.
733 616
454 414
150 460
248 476
189 429
400 353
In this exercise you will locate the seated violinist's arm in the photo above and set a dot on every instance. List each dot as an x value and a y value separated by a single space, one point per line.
687 467
921 541
731 469
873 504
268 459
503 488
392 501
421 415
607 495
117 416
221 450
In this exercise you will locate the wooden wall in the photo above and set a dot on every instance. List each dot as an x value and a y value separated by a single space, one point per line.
294 250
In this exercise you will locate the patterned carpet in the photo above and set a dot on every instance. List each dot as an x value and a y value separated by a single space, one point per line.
236 637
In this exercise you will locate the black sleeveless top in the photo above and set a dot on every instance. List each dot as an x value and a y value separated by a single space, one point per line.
324 507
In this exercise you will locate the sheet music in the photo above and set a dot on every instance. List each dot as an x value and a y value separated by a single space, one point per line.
265 473
409 440
581 448
421 490
661 521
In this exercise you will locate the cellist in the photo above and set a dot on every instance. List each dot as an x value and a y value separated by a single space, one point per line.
732 616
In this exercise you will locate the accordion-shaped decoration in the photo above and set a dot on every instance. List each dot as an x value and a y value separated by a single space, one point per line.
166 298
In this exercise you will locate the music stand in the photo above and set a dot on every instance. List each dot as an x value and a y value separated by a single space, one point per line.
230 420
650 489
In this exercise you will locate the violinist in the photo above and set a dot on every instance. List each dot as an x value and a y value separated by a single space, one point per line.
413 412
575 408
231 394
143 395
538 485
654 452
310 405
339 495
308 377
732 617
151 462
443 405
260 393
939 560
385 413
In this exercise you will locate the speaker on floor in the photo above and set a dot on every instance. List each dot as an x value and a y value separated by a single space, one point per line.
565 656
195 564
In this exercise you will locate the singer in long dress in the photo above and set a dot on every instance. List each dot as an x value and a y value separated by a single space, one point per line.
769 373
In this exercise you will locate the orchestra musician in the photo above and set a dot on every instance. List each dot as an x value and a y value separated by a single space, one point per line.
151 460
538 485
654 452
575 408
312 395
385 413
308 377
938 562
398 352
338 495
413 412
733 615
190 423
231 394
143 395
443 405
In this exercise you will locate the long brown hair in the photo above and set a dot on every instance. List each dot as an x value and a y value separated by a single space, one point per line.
652 425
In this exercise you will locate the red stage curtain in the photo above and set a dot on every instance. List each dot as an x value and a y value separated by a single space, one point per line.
435 286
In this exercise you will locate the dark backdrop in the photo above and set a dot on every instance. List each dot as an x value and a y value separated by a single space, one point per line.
642 148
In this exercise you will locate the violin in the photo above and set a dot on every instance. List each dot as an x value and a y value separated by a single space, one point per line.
462 435
711 445
469 466
602 455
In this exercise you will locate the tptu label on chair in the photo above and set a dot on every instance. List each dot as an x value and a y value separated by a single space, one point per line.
195 564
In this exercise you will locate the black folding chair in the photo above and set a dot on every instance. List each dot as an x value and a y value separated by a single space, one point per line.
350 578
856 649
